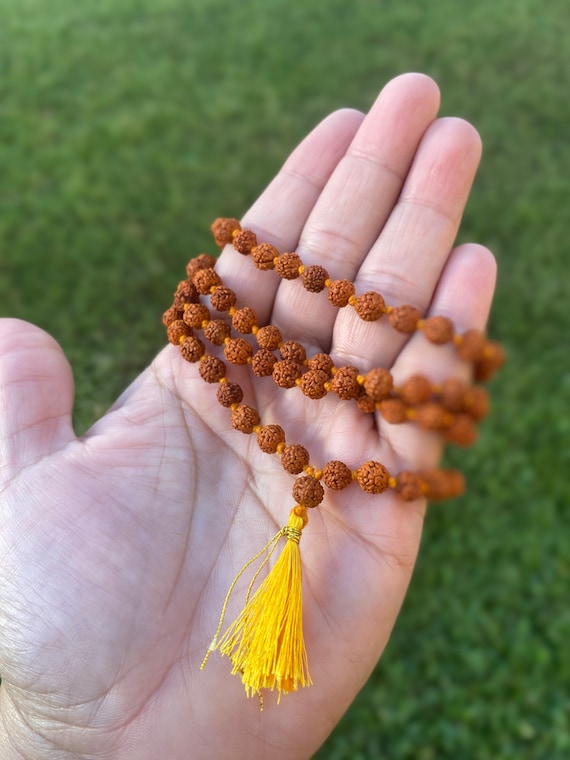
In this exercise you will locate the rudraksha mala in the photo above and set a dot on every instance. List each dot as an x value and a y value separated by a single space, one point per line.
451 408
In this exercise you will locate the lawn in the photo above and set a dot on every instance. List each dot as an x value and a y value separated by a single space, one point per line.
126 126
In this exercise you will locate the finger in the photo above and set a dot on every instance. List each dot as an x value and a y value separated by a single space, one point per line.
36 396
406 262
358 199
279 214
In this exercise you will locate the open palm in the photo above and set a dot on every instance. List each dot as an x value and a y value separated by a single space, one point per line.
118 548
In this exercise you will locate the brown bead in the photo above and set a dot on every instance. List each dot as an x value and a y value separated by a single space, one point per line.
171 315
417 389
337 475
344 383
293 350
409 486
269 437
244 320
212 369
462 431
192 349
430 416
442 484
286 373
237 351
244 241
393 410
321 362
314 277
477 403
268 337
313 384
287 266
222 299
493 358
365 404
223 229
203 261
340 291
370 306
177 330
294 458
185 293
438 330
404 318
378 383
195 314
373 477
216 331
244 418
452 394
471 345
263 256
206 279
262 362
229 393
308 492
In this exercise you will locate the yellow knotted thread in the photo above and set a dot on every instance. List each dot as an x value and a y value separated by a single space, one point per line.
265 643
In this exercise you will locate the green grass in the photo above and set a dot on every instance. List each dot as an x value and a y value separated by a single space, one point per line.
126 126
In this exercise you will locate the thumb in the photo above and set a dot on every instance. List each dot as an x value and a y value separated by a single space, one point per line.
36 396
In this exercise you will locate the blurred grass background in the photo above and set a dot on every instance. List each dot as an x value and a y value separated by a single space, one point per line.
126 126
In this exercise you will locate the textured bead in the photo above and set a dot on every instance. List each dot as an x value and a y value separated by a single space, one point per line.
430 416
462 431
171 315
206 279
195 314
192 349
471 345
378 383
244 418
294 458
203 261
185 293
244 320
269 437
262 362
442 484
237 351
404 318
177 330
373 477
369 306
321 362
337 475
314 277
263 256
344 383
287 266
293 350
452 394
223 298
409 486
308 491
339 292
313 383
415 390
229 393
223 229
393 410
286 372
212 369
244 241
438 330
476 403
365 404
269 337
493 358
216 331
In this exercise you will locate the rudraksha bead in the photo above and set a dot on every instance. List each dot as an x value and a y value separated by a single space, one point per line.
244 241
345 384
287 266
337 475
206 279
229 393
404 318
393 410
378 383
321 362
216 331
223 229
203 261
262 362
269 337
314 277
212 369
263 256
312 383
195 314
177 330
409 486
185 293
244 418
373 477
269 437
462 431
308 492
493 358
294 458
438 330
365 404
244 320
452 394
286 373
222 299
369 306
293 350
171 315
237 351
192 349
476 402
442 484
415 390
340 291
471 345
430 416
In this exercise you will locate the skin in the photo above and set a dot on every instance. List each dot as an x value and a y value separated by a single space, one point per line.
118 547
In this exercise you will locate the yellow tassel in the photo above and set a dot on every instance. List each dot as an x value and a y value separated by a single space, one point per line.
265 643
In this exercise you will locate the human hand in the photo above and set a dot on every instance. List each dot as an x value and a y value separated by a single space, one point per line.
119 547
